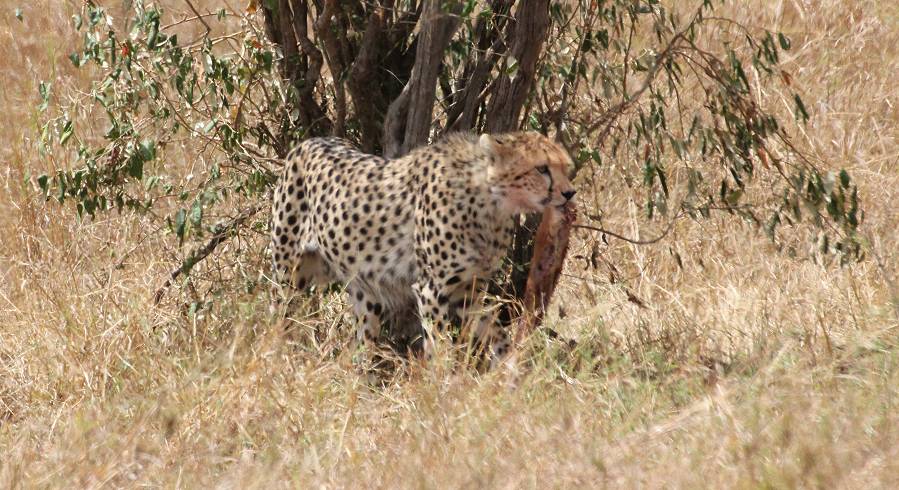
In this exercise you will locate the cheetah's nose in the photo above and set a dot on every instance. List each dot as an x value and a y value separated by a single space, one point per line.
569 194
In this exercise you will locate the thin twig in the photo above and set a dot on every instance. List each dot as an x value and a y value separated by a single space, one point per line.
199 16
190 19
569 87
631 240
609 117
224 232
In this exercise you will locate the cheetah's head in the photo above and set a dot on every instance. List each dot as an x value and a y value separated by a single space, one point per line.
529 171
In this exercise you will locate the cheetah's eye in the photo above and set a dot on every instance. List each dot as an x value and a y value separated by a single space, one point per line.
543 169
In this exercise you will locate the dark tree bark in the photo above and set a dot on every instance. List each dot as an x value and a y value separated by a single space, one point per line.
364 71
306 87
302 62
367 66
528 33
408 120
337 52
469 98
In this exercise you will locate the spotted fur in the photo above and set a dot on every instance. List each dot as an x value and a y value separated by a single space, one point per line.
422 231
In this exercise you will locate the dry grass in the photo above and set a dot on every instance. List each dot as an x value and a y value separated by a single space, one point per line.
745 368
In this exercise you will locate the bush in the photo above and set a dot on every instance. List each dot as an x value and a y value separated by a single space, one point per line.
674 91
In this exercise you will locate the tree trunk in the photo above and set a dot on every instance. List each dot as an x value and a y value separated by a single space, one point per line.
408 121
302 61
528 33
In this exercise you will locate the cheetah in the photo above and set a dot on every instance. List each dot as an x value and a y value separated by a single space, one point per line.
424 231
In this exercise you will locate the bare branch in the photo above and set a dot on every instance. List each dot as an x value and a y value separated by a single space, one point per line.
635 241
286 27
362 73
607 120
291 63
199 16
530 28
313 63
335 55
224 232
490 47
395 123
410 114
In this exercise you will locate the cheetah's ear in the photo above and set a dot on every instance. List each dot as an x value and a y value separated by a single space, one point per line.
487 143
499 152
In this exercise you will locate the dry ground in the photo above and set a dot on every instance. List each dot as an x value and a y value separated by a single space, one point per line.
744 368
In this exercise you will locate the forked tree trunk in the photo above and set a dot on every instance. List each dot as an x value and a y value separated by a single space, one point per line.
408 122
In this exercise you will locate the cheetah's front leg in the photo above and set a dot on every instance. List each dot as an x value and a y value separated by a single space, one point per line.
434 311
438 305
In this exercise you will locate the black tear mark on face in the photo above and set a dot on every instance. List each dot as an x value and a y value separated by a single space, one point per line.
549 193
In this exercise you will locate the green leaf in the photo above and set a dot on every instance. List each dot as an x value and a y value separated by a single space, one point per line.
148 150
512 66
844 179
180 222
268 58
835 206
67 130
852 215
196 214
784 41
801 112
113 132
154 33
771 225
662 179
95 15
151 182
733 198
468 8
61 180
44 183
44 90
136 166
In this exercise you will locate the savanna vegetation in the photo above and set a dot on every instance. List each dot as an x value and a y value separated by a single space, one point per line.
728 311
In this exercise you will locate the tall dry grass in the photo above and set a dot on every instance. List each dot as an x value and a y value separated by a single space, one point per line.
739 367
